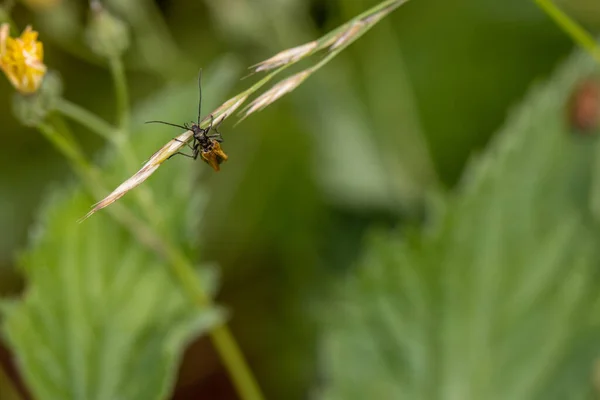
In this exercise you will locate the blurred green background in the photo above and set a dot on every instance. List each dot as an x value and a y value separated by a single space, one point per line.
359 145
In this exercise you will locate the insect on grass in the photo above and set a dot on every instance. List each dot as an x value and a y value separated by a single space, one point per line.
207 145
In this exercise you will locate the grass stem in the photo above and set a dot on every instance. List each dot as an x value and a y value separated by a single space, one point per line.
121 93
571 28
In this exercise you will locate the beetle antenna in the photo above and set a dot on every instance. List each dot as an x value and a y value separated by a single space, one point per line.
167 123
200 95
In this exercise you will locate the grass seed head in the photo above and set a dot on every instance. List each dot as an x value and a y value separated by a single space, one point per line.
285 57
276 92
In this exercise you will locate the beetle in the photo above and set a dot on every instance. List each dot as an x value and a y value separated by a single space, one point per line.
206 144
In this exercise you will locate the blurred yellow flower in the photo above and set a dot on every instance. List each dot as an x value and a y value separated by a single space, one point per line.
21 59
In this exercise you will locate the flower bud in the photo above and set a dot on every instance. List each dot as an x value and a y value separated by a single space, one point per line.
31 109
106 34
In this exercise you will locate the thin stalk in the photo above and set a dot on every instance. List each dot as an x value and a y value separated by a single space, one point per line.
231 355
228 348
91 177
122 140
571 28
152 34
391 4
87 119
122 94
75 156
5 17
114 135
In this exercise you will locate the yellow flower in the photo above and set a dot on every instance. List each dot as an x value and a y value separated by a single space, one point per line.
21 59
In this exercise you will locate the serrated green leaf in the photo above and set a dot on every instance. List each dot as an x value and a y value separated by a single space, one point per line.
103 317
500 299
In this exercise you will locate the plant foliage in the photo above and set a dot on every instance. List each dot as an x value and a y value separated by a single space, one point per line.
103 317
496 299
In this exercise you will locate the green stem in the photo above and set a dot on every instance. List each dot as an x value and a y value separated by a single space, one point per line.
87 119
221 337
123 142
229 350
571 28
152 33
92 180
120 80
71 153
5 18
116 136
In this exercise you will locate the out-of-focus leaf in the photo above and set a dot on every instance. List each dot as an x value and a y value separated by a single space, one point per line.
394 115
351 170
498 300
103 317
393 119
261 225
465 82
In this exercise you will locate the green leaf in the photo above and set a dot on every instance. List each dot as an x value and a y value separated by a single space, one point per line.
103 317
498 298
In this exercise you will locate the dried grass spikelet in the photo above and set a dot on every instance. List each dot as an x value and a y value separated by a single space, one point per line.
144 173
377 16
340 37
276 92
347 35
226 109
356 28
164 154
334 42
286 57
